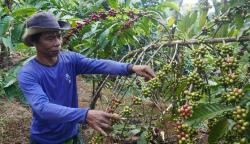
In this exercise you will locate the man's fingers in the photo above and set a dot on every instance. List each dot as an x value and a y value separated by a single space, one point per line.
107 127
113 116
150 72
145 75
100 130
106 120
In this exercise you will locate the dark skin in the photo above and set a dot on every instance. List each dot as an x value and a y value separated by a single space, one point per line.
48 46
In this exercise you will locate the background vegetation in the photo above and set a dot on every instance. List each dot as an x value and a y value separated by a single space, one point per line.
200 55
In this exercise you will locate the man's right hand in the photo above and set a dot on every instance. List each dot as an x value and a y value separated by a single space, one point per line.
100 120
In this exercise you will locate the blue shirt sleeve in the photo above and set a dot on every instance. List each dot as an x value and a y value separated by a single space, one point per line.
41 105
94 66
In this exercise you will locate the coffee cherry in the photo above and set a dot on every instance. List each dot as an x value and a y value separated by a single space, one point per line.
199 63
102 15
234 95
146 92
239 115
225 50
98 139
136 100
112 12
185 111
131 14
228 63
94 17
87 21
149 136
195 79
193 96
199 52
127 111
79 25
229 79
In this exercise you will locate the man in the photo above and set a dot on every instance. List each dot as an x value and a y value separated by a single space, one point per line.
49 83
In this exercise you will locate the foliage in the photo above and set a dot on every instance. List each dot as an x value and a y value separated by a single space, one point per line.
205 86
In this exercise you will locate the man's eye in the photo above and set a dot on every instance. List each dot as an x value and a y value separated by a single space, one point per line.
50 38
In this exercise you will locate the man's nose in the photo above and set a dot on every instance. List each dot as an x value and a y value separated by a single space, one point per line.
57 42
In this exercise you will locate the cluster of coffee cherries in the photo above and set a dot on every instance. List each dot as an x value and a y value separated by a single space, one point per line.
133 18
234 95
211 122
97 139
228 63
186 111
239 115
241 141
233 138
230 78
93 17
149 135
200 51
225 50
198 57
102 15
114 104
221 19
136 100
184 133
199 63
193 96
127 111
194 78
156 82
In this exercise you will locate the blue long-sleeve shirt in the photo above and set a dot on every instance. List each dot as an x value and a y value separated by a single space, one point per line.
52 94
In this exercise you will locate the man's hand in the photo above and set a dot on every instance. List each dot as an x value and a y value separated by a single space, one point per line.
143 70
101 121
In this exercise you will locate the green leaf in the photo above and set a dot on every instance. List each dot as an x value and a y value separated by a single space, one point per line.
24 11
4 24
207 111
113 3
7 42
246 90
203 18
223 31
218 130
244 28
103 38
187 24
12 90
171 5
142 139
134 132
248 111
170 21
16 33
181 87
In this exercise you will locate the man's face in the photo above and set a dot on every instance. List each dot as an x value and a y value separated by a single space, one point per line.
49 44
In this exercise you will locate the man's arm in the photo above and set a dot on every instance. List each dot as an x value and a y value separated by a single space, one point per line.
92 66
86 65
41 105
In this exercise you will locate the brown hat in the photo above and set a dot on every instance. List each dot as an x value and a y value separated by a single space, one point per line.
42 22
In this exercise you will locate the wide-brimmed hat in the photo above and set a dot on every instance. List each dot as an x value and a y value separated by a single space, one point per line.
42 22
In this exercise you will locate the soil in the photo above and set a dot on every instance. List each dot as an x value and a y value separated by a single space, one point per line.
15 118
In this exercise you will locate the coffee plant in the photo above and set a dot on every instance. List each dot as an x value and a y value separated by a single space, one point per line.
201 90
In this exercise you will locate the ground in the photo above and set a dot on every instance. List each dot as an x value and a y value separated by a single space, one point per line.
15 118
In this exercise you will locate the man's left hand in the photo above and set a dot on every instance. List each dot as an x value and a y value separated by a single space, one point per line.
143 70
